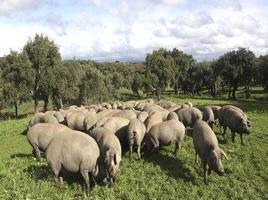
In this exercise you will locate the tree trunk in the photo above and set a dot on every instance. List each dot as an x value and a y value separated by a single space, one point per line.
35 104
215 89
177 89
158 95
46 104
234 91
178 92
60 103
16 109
229 92
35 90
247 91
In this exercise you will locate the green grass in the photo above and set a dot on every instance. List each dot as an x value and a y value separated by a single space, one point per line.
158 176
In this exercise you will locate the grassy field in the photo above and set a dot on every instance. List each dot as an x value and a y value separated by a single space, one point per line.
158 176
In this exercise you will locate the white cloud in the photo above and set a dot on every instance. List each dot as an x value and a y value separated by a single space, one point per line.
225 4
173 2
130 29
11 7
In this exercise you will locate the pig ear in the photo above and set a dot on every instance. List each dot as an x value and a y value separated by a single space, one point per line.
223 153
107 156
214 155
115 159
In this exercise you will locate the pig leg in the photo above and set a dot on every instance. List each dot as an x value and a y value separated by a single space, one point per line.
205 172
55 167
177 147
196 159
85 175
37 151
241 138
130 149
139 151
156 145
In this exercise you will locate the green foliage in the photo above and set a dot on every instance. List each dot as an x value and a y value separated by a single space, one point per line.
159 69
44 56
263 70
158 176
183 62
117 80
138 82
16 78
237 67
95 87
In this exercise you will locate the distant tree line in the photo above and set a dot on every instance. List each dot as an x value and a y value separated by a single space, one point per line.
39 73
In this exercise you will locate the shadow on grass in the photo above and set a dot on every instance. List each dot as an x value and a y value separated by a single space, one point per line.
24 132
8 115
21 155
39 172
173 166
2 176
43 172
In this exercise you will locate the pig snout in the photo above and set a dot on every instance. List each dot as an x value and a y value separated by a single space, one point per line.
219 169
112 170
221 173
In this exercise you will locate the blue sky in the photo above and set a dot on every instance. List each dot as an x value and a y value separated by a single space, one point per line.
127 30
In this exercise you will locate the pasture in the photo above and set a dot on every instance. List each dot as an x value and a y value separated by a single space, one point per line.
157 176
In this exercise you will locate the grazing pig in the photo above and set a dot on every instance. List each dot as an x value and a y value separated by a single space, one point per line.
75 121
126 114
165 104
101 121
106 105
233 119
118 126
110 149
73 151
48 118
215 110
114 106
91 119
207 148
189 103
40 135
155 118
37 118
43 118
140 106
172 115
58 115
165 133
188 116
238 110
208 115
151 108
174 108
135 133
142 116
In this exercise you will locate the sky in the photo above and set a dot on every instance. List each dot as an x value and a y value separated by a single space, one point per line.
126 30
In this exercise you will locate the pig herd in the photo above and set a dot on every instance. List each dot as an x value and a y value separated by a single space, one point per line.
90 139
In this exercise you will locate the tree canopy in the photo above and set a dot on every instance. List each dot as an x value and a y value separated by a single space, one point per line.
16 78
